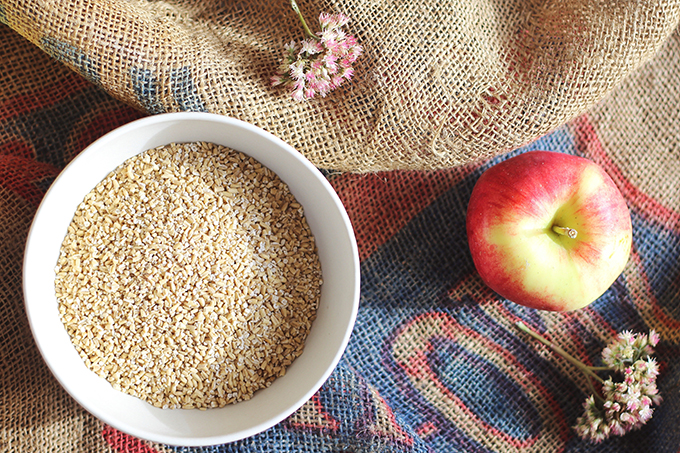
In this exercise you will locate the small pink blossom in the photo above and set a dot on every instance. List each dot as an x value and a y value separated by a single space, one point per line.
628 348
653 338
333 21
320 63
626 398
627 405
311 46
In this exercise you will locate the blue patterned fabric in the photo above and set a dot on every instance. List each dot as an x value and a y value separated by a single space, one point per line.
435 363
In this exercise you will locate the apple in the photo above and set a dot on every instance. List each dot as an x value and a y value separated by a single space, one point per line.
548 230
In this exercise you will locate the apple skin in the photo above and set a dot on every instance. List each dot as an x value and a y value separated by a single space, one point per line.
510 216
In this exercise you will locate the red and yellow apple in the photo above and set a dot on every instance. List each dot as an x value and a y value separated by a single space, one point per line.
548 230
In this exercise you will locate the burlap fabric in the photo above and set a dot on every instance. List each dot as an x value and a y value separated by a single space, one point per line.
441 83
434 363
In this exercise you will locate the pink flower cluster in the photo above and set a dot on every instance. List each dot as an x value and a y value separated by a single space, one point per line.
626 405
320 63
628 348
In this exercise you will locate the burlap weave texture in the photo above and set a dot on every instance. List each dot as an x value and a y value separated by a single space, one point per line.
440 83
419 280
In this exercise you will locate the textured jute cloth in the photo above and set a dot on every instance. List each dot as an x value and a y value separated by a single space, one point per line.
434 363
440 83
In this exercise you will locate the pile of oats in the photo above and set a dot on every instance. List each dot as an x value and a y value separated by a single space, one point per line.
189 277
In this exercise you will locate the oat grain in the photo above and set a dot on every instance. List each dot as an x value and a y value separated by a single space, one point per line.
189 277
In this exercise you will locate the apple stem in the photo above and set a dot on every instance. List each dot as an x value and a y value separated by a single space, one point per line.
565 231
587 370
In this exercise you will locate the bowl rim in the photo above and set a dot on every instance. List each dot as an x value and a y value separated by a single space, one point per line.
31 254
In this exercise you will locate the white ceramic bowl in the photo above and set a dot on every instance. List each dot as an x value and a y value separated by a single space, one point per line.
330 331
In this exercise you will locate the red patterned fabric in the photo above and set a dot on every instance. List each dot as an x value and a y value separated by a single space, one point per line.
434 363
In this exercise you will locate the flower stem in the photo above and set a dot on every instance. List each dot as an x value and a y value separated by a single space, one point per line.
594 392
308 32
587 370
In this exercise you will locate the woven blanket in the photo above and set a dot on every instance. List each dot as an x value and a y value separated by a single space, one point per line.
440 82
435 363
